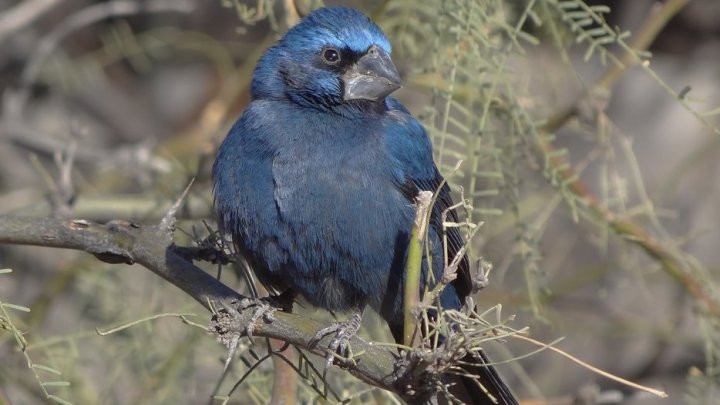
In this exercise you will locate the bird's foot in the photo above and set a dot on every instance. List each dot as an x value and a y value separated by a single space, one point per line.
227 320
227 326
264 308
340 344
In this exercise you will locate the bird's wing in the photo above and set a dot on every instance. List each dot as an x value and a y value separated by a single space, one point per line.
410 145
408 142
243 189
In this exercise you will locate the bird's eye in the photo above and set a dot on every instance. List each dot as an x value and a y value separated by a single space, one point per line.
331 56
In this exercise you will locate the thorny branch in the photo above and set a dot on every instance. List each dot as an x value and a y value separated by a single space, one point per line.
151 246
23 14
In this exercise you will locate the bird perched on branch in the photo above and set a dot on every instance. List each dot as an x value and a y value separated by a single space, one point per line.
316 180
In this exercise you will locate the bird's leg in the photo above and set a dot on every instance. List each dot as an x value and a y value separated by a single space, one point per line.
344 331
264 308
225 322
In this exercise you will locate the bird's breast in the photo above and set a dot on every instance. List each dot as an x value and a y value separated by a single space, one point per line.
343 214
335 186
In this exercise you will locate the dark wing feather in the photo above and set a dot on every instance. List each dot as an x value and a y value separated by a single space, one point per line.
455 241
409 144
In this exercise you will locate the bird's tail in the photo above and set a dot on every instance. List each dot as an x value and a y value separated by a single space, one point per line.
481 383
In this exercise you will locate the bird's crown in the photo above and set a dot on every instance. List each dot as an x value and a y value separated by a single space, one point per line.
342 27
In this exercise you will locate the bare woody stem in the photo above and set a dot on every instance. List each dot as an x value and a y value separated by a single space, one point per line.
413 268
152 247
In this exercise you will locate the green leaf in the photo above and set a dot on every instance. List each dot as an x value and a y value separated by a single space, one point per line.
46 368
16 307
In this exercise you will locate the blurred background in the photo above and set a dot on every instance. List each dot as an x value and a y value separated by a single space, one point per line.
588 135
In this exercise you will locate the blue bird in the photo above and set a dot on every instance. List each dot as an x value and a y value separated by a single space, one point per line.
316 180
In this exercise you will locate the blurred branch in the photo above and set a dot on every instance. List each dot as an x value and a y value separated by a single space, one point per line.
660 15
292 14
670 260
23 14
108 206
151 246
85 17
4 399
285 378
233 95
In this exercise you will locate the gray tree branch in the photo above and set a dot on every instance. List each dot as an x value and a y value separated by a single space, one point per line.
23 14
151 246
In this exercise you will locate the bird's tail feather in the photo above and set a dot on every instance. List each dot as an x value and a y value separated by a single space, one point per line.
482 384
487 387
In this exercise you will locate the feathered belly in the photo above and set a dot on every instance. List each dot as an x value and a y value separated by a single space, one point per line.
339 240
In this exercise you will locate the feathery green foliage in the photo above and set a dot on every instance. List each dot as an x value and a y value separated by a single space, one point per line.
40 372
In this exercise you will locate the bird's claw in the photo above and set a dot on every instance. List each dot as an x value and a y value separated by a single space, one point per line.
226 323
226 320
263 309
344 331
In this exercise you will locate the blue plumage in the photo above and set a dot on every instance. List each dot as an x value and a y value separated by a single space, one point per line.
320 196
316 180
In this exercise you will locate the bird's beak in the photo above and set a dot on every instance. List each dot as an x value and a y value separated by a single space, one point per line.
373 77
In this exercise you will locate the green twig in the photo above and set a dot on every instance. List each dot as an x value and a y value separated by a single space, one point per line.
414 266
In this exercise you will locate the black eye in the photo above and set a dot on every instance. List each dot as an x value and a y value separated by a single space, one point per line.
331 56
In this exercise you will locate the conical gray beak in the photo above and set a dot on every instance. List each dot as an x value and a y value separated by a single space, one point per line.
373 77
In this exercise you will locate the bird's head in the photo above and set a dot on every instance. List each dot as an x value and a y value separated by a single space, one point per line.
332 57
